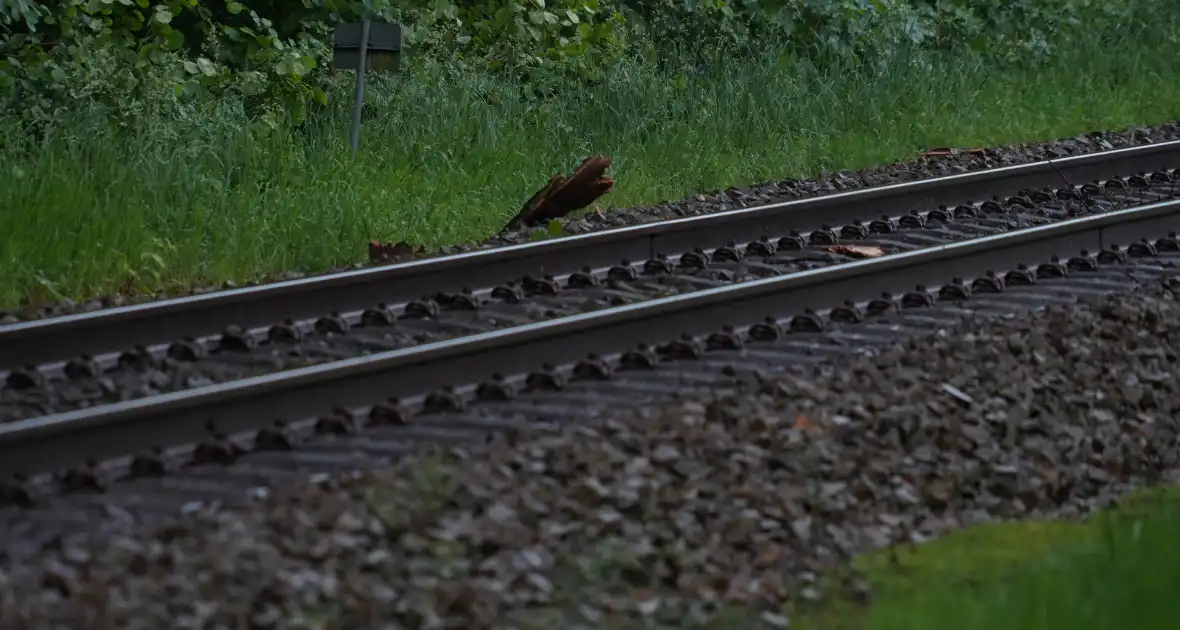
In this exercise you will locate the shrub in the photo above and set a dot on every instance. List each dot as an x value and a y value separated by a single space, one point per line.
137 55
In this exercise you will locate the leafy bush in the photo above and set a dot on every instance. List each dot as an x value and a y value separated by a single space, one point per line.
122 52
132 56
1020 30
105 50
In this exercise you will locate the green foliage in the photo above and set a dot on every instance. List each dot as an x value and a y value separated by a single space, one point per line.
566 35
805 28
1019 30
116 52
136 56
129 53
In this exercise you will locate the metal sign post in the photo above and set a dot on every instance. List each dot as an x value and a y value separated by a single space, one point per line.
354 132
364 46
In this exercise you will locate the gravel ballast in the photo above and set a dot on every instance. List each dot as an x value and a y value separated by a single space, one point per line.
938 164
672 516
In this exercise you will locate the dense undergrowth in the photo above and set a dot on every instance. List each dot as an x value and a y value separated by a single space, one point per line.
156 145
271 53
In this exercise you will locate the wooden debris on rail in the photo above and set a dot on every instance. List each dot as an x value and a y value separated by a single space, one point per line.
562 195
857 251
949 152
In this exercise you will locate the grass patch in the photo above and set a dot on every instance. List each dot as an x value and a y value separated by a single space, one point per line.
209 196
1120 569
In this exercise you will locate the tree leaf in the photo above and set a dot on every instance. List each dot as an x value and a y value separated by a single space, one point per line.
207 67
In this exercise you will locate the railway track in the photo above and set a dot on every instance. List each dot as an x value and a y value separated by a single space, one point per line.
449 391
151 455
104 334
174 353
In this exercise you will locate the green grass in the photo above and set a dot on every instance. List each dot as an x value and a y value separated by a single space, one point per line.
209 198
1118 570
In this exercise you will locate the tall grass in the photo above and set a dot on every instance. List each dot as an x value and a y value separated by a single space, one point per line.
210 196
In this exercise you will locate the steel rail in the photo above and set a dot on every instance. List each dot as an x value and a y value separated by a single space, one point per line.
42 444
61 338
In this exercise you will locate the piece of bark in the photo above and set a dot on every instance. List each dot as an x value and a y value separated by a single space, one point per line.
949 152
562 196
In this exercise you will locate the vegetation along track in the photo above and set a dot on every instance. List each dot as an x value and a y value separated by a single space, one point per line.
537 282
449 391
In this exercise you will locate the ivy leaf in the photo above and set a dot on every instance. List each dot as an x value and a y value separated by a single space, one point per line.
163 15
233 7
